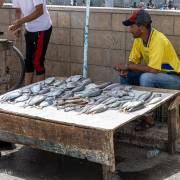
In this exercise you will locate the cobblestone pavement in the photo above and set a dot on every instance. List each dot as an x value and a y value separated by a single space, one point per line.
25 163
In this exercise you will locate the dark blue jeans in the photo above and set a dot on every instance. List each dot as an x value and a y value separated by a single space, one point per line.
156 80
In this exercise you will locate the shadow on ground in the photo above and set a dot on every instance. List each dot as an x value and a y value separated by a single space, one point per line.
33 164
28 163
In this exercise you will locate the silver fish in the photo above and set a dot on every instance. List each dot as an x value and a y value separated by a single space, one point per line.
36 88
141 106
71 85
144 96
92 93
85 82
103 85
22 98
45 103
35 100
58 82
74 78
67 95
111 86
153 96
86 108
79 88
97 109
115 104
100 100
111 101
55 93
132 105
49 80
12 95
44 91
26 90
154 100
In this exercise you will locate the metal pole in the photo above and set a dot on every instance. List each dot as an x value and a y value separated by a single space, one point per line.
85 60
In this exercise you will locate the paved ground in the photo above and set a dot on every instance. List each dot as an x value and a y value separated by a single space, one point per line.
32 164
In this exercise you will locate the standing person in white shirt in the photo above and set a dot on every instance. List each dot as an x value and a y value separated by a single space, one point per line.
38 28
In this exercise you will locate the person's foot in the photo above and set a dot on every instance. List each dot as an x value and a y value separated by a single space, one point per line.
6 145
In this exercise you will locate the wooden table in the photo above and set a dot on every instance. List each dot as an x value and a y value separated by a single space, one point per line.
88 137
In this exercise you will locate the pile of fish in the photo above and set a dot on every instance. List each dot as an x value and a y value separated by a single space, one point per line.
82 95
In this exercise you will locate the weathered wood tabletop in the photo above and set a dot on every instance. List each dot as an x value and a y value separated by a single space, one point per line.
84 136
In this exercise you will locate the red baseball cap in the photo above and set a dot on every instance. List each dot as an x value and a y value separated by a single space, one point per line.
139 17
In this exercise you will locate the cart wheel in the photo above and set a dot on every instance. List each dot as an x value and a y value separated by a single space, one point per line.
12 69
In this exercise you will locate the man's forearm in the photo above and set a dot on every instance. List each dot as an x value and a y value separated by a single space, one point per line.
34 15
141 68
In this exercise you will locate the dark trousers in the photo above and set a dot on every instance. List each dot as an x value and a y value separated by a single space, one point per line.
36 47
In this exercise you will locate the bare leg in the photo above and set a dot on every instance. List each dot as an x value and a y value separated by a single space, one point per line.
28 78
40 77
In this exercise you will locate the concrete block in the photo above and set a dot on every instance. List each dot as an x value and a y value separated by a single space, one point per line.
63 53
100 21
55 68
117 56
12 15
60 36
118 40
77 37
177 25
52 51
76 68
164 24
101 73
63 19
76 54
117 22
106 39
54 18
101 39
98 56
77 20
5 16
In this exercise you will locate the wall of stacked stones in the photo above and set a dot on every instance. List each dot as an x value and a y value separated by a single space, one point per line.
109 41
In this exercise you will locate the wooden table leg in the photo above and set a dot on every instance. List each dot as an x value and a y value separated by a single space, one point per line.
107 172
172 118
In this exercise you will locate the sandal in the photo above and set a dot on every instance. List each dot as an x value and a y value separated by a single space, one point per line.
143 125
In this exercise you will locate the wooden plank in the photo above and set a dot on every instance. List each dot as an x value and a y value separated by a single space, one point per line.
94 145
158 90
171 130
108 171
175 103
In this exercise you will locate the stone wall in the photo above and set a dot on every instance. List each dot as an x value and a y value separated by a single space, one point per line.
109 41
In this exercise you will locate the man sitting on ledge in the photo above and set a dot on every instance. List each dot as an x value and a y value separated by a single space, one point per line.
153 61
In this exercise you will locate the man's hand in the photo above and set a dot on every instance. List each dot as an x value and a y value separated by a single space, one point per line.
16 25
122 69
1 2
123 73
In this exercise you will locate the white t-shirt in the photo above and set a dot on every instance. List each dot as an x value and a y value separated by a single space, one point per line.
42 23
